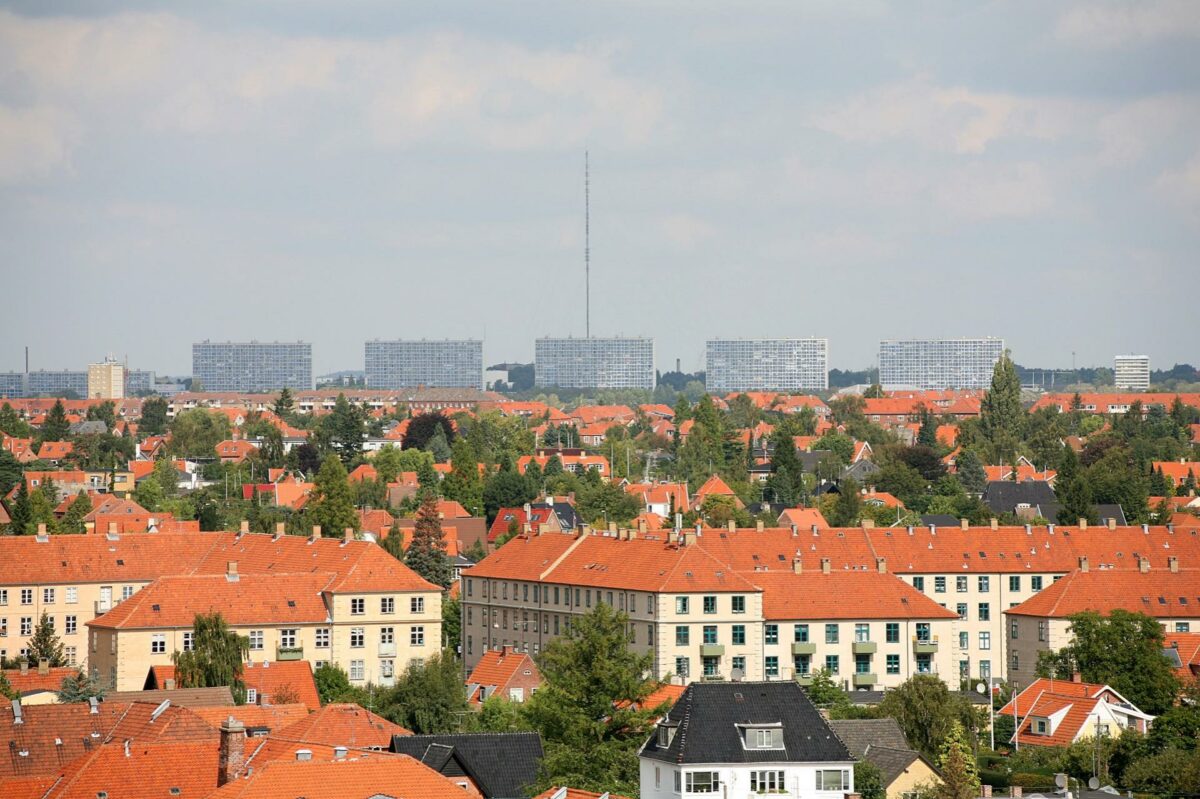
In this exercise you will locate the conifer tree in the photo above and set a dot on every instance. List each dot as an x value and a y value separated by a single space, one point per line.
79 687
56 427
332 502
426 553
19 512
72 520
393 543
45 644
1074 491
464 482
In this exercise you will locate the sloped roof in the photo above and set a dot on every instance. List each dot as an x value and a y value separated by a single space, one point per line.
362 776
268 677
813 595
1160 593
271 717
503 764
858 734
497 668
145 771
343 725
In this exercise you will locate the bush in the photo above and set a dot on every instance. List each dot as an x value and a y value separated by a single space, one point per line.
994 778
1029 780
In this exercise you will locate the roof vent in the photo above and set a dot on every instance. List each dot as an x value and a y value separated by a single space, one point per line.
95 705
158 711
16 706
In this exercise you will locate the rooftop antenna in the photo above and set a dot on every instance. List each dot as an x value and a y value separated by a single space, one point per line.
587 248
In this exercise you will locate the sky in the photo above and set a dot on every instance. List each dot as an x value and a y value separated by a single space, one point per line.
341 171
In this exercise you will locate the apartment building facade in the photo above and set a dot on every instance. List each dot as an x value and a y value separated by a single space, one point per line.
106 380
252 366
408 364
594 363
1131 372
786 364
938 363
68 382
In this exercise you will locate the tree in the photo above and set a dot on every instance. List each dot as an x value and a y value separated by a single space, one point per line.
1001 418
56 427
6 689
196 433
12 423
960 775
868 780
506 489
787 477
421 429
332 502
333 686
345 428
10 472
1123 650
72 520
215 658
103 412
79 687
970 472
824 692
285 404
464 482
848 507
45 644
451 622
154 417
927 433
429 698
393 542
927 712
438 446
1074 491
589 709
19 511
42 503
426 553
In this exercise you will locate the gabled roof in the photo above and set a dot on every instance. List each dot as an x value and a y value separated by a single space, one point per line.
710 717
503 765
1159 593
31 680
140 771
1183 649
270 717
343 725
858 734
364 775
497 668
270 677
813 595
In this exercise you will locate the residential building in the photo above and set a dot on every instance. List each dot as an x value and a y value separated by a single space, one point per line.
344 773
493 765
252 366
938 363
1131 372
409 364
1042 623
1113 403
106 380
512 674
781 364
741 740
1051 712
76 580
67 382
881 742
594 363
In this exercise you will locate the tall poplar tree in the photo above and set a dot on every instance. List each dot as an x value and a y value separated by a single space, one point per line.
1002 419
332 502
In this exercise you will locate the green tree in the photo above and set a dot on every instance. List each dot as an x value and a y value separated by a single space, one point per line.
927 432
12 423
153 421
970 472
464 482
429 698
6 689
42 503
285 404
824 692
506 489
345 426
79 687
332 502
393 542
426 553
196 433
927 712
1074 491
427 477
215 658
847 509
387 463
1174 772
56 427
19 511
45 644
787 476
1123 650
960 775
333 686
10 472
421 430
451 622
589 708
1002 419
868 781
72 520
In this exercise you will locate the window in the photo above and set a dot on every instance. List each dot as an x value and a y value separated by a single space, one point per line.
416 636
1016 662
3 628
862 664
984 583
739 634
964 640
158 643
960 583
387 605
893 664
985 640
892 630
772 665
766 781
387 635
710 633
1039 726
800 633
47 596
739 662
357 637
771 633
683 667
939 585
831 663
256 639
985 670
739 604
251 696
358 606
3 596
919 583
681 603
416 604
702 781
961 607
387 668
964 669
1182 627
287 639
833 779
1035 583
126 592
26 596
802 664
678 782
70 655
357 672
27 625
1014 582
682 635
72 624
1012 629
862 633
831 633
322 637
985 611
711 666
710 604
188 638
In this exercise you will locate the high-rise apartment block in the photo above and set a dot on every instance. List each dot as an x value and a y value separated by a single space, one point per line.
939 363
252 366
781 364
436 364
106 380
594 363
1132 372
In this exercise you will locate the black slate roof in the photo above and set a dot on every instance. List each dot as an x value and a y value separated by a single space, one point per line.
858 734
891 762
502 764
708 715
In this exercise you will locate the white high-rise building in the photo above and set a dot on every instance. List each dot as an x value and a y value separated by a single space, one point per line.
434 364
780 364
938 363
252 366
594 363
1132 372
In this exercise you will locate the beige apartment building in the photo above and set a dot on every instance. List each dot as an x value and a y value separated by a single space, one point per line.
961 580
106 380
79 580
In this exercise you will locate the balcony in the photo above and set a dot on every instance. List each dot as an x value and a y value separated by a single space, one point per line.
925 646
387 650
712 650
289 653
804 648
864 647
804 679
713 678
864 679
103 606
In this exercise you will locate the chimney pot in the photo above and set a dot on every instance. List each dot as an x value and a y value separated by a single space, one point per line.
231 753
994 523
43 666
797 565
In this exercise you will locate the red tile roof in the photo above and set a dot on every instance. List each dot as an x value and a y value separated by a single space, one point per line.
143 771
32 681
497 668
360 775
1159 593
803 518
813 595
269 677
1187 646
272 717
343 725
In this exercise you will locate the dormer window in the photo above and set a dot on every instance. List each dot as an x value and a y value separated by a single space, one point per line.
762 737
666 733
1040 726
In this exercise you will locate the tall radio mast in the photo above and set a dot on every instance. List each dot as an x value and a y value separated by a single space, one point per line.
587 248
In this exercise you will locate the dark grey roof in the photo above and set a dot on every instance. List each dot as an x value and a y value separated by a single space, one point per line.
871 698
90 426
707 715
939 520
858 734
891 762
860 469
1003 496
502 764
568 518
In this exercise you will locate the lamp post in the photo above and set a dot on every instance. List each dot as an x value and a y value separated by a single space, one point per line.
986 690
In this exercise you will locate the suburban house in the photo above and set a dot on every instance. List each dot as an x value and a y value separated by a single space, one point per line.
513 675
882 743
494 765
1052 712
739 739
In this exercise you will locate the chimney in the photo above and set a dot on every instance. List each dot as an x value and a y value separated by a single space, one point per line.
641 526
41 529
1016 792
1143 565
280 530
347 535
528 510
316 532
994 523
231 754
868 524
689 538
43 666
672 537
1112 523
797 567
231 571
1082 523
732 526
1083 563
526 528
24 667
169 684
965 523
759 526
1076 677
93 706
881 565
612 527
825 567
1173 564
795 531
244 527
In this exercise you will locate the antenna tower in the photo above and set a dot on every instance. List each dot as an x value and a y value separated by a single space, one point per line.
587 248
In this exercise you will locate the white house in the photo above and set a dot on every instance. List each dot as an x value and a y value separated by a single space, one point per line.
736 740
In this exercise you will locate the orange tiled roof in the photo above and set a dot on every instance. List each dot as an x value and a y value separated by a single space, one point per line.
343 725
269 677
1188 648
364 774
140 772
578 793
1178 471
32 681
803 518
497 668
813 595
55 450
272 717
1159 593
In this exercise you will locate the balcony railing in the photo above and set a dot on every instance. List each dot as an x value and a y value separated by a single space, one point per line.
387 650
712 650
864 647
862 679
289 653
926 645
804 648
804 679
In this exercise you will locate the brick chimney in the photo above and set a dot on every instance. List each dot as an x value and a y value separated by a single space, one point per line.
759 526
43 666
1016 791
1083 563
1076 677
1112 523
316 532
797 566
244 527
994 522
881 565
232 754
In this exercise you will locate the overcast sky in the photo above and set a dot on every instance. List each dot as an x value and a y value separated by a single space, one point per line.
340 171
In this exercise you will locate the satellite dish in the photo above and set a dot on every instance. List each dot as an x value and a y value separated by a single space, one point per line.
980 688
737 675
1060 780
1093 783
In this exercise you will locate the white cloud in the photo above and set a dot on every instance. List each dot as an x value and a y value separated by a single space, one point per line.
33 142
1124 24
987 191
1182 185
